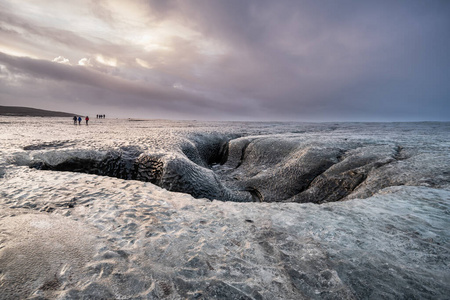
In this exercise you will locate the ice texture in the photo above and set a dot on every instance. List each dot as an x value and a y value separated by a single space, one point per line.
247 162
68 232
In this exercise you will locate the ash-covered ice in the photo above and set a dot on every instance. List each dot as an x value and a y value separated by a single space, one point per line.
231 165
121 209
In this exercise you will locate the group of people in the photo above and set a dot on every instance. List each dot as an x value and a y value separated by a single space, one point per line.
79 119
75 119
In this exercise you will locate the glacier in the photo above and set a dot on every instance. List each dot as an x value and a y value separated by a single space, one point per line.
159 209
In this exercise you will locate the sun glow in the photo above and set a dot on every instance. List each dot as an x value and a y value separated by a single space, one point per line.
108 61
16 52
143 63
152 41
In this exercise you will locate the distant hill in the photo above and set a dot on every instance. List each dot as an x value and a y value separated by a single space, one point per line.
32 112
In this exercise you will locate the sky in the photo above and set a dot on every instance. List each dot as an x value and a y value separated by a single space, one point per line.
255 60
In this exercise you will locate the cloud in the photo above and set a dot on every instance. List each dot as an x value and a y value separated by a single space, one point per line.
107 61
61 60
143 63
85 62
290 59
89 81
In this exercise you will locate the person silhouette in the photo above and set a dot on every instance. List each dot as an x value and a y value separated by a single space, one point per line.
74 120
87 119
79 120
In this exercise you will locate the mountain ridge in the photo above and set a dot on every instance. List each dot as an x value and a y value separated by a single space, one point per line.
31 112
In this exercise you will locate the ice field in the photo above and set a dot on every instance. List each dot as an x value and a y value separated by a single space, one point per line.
157 209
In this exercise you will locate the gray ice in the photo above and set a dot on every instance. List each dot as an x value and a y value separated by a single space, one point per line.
156 209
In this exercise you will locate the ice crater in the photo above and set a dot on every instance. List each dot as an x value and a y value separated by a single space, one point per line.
274 168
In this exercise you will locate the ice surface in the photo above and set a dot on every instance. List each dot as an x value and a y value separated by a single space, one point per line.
70 235
246 162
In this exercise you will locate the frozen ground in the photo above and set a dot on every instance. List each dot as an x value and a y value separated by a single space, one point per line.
68 232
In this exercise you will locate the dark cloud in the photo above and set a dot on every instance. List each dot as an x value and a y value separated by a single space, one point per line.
256 59
381 56
113 90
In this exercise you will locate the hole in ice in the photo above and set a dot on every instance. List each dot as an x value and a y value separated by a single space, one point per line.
246 169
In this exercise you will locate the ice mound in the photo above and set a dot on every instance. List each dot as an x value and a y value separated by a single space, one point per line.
264 168
295 169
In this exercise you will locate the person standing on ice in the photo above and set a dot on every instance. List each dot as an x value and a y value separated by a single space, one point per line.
74 120
79 120
87 119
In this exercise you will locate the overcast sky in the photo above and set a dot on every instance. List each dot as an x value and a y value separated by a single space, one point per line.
327 60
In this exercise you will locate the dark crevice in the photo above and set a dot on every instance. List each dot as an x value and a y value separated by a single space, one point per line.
199 173
223 154
317 176
55 144
218 155
256 194
331 188
305 180
361 182
341 156
338 187
115 164
243 154
131 164
206 152
399 153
